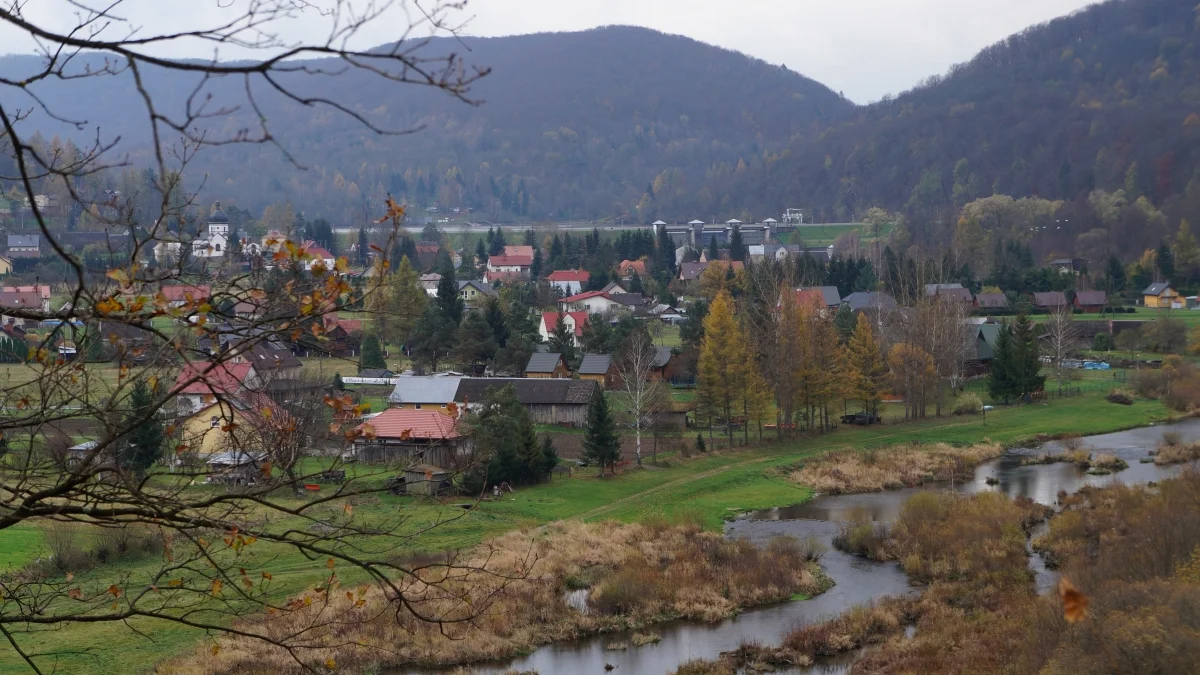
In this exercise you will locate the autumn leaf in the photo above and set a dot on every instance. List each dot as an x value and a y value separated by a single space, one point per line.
75 594
175 583
266 575
330 663
1074 602
70 576
348 508
114 591
330 563
216 587
216 648
266 469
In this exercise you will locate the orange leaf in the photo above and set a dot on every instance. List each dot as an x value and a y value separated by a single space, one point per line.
215 648
329 563
330 663
267 575
75 594
114 591
175 583
216 587
266 469
1074 602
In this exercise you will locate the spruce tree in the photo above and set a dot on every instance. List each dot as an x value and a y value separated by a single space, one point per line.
449 302
1026 357
714 252
845 322
601 445
371 355
476 343
665 262
364 247
737 251
1001 382
338 384
144 445
562 340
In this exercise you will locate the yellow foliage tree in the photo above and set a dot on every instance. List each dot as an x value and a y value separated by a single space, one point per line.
866 371
722 361
912 376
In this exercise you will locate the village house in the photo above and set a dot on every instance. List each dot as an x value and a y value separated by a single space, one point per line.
314 254
575 321
522 250
1050 300
1090 302
664 368
429 282
592 302
200 383
628 268
568 282
502 268
549 401
228 423
547 365
29 300
6 266
955 292
180 295
599 368
473 293
876 301
991 301
24 245
1162 296
689 272
429 392
412 436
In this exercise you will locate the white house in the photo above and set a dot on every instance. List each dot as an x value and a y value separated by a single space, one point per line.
575 321
592 302
569 282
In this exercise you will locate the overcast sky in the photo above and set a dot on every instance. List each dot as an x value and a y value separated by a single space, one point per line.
863 48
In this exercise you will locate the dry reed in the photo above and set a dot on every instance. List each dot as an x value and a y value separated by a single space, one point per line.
852 471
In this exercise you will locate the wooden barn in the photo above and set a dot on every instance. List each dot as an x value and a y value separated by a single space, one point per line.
549 401
412 437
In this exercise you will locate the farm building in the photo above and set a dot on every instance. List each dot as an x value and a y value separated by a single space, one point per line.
426 479
434 392
549 401
546 365
991 301
1090 301
598 368
412 436
1049 300
1161 295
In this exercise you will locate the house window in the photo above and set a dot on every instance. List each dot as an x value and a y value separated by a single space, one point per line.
417 406
214 422
217 248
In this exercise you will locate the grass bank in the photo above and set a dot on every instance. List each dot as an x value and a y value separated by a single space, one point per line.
706 489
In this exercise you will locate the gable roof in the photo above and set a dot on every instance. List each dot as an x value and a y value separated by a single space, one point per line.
519 249
830 296
992 300
1157 289
1091 298
811 297
424 389
543 362
1049 299
272 355
985 340
550 319
861 300
20 300
629 266
662 356
414 424
181 293
536 391
932 289
595 364
483 286
24 240
510 260
960 294
691 271
209 379
581 276
579 297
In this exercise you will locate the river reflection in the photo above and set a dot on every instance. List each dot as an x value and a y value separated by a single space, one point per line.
858 581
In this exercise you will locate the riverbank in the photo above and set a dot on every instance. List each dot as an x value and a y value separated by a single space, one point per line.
526 589
708 489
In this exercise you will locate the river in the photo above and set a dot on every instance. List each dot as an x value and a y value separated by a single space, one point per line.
857 580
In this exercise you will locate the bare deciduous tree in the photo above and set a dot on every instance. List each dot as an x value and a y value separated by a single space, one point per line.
177 313
1062 336
642 398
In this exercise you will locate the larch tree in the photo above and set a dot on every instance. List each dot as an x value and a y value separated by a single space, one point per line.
866 366
912 376
722 360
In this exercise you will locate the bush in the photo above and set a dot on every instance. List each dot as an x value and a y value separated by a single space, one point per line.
1149 383
1120 396
1103 342
700 443
860 535
968 404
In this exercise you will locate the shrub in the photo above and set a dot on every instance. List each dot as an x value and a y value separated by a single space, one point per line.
1148 383
860 535
1184 394
700 443
1102 342
968 404
1120 396
1176 453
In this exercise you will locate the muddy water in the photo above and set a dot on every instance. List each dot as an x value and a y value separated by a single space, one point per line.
858 581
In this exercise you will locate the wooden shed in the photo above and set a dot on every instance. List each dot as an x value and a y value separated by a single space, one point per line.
427 437
426 479
598 368
549 401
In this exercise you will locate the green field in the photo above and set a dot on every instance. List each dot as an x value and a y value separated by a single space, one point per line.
824 235
710 487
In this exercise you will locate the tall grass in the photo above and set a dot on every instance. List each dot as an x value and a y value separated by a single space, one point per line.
507 597
891 468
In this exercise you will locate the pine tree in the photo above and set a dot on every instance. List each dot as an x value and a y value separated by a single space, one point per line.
338 384
144 445
665 261
562 339
433 338
737 251
722 360
505 437
371 356
601 445
714 253
364 247
845 322
1001 382
493 313
1166 261
866 367
535 267
1027 363
475 342
449 302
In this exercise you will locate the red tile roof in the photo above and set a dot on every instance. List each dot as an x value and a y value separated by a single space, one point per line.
638 266
43 291
584 296
419 424
581 276
519 250
494 277
550 319
20 299
812 297
222 378
318 252
510 260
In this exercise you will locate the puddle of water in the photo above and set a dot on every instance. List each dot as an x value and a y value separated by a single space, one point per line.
857 581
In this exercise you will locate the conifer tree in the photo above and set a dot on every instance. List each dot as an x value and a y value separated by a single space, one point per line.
449 302
845 322
475 342
601 445
714 253
737 251
1027 362
371 356
144 445
866 366
1001 382
562 340
364 248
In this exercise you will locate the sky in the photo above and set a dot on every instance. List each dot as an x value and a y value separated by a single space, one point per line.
862 48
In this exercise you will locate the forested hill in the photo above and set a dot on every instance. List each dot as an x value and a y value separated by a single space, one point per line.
571 125
1106 98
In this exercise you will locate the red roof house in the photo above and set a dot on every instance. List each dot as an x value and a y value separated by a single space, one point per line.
208 379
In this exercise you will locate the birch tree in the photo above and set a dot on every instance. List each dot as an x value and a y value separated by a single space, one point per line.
1061 337
634 364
